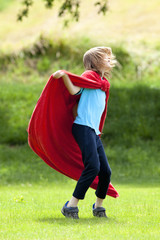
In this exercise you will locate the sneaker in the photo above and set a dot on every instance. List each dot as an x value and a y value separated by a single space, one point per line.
70 212
99 211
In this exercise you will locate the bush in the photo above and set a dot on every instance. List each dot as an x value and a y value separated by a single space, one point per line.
133 116
133 111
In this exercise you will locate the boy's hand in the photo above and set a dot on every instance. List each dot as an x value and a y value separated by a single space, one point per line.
67 81
59 74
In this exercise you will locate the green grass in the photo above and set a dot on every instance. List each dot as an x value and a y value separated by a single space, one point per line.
135 215
137 164
32 195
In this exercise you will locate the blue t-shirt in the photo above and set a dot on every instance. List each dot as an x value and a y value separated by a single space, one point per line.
90 108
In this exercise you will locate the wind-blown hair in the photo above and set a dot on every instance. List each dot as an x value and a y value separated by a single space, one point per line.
94 59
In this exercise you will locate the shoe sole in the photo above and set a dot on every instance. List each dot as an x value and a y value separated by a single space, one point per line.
67 216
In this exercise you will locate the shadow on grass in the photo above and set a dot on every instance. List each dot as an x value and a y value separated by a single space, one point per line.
81 220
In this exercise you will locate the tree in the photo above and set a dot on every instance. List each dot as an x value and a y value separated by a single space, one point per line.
68 6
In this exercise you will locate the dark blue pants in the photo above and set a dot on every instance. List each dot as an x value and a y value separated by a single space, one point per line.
94 160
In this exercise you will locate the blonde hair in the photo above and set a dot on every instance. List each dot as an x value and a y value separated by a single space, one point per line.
94 59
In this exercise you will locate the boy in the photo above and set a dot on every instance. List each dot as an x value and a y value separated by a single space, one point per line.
85 130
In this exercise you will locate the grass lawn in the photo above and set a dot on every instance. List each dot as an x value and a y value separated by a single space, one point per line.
32 195
33 212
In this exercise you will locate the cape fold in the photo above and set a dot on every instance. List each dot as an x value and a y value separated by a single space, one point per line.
50 127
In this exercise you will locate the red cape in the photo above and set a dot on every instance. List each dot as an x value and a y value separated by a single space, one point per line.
50 127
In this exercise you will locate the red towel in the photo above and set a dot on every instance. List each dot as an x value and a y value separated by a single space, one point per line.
50 127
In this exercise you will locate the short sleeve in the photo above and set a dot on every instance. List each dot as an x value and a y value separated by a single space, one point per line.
81 90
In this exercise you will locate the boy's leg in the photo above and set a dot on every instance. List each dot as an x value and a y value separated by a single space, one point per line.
99 202
73 202
104 173
104 180
86 139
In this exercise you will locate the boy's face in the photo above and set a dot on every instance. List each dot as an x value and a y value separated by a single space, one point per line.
107 61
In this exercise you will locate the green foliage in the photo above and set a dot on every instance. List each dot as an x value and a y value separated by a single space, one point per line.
103 7
24 12
43 64
15 109
122 55
133 116
63 54
68 7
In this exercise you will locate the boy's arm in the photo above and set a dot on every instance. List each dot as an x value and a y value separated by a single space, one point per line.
69 85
